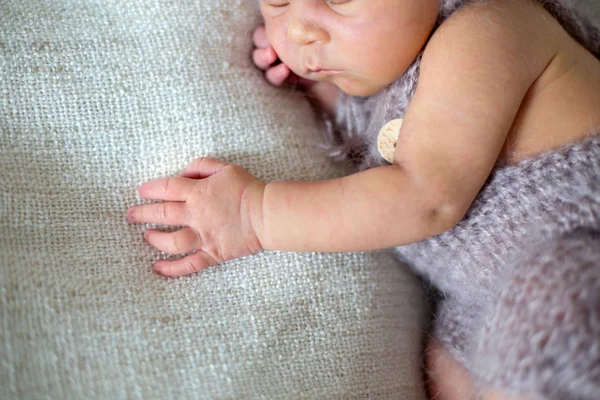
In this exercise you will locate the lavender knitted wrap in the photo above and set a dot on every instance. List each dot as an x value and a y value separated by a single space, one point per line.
520 274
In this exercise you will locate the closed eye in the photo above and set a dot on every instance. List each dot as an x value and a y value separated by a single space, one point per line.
278 5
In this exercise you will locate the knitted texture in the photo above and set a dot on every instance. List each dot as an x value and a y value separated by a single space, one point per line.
541 333
526 259
97 97
520 274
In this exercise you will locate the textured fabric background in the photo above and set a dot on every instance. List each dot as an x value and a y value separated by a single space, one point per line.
96 97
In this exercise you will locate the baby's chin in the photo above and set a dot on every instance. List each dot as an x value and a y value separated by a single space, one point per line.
357 88
350 83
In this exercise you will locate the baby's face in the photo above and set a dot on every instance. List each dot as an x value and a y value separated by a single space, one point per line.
359 45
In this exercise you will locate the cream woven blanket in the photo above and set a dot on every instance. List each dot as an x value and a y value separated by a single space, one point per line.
96 97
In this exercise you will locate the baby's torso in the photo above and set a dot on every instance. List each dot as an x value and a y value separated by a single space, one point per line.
562 105
547 180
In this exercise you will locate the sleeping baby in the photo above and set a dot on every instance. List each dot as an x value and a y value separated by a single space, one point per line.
475 127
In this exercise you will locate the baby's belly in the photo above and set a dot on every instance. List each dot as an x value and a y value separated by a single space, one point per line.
561 107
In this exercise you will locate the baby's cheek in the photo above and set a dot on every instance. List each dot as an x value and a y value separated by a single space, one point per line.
286 56
273 32
276 38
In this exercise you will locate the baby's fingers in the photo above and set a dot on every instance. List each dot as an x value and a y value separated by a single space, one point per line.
264 57
178 242
174 188
166 213
278 74
184 266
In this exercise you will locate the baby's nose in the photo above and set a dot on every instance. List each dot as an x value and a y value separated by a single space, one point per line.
304 33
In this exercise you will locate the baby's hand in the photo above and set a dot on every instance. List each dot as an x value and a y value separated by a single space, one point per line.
264 56
218 203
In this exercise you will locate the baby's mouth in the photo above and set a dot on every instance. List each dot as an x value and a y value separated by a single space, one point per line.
325 71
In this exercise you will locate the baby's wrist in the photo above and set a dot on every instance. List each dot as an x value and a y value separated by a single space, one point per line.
254 200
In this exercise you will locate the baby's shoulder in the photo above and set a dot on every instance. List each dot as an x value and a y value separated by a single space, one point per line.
520 16
520 30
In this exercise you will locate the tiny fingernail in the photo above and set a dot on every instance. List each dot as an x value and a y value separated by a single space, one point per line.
130 214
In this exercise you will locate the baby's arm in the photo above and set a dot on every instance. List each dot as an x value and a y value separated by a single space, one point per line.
475 73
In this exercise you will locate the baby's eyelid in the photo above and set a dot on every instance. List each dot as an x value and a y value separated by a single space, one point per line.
286 3
277 5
